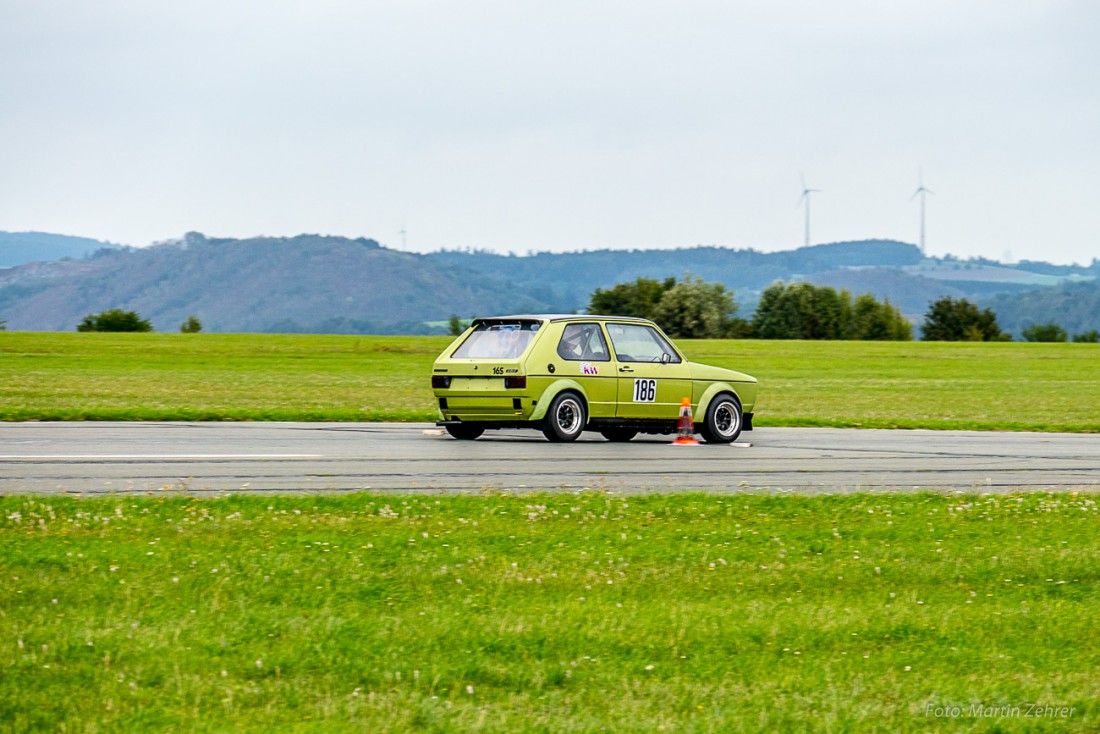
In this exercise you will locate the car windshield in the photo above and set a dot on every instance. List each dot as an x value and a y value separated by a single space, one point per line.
497 340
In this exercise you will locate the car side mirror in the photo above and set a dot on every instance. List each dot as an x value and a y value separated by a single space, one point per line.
666 358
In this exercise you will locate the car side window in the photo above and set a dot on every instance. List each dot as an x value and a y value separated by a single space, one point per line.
583 342
640 343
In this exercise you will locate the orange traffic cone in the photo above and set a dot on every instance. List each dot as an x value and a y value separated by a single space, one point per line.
686 429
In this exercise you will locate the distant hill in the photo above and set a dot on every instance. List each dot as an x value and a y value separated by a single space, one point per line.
568 279
1075 306
314 283
910 293
304 283
884 268
18 248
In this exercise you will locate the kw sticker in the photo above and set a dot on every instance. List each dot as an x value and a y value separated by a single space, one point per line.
589 369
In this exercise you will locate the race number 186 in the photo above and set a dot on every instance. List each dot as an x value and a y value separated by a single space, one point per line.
645 391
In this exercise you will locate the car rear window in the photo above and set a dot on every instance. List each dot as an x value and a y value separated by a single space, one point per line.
498 340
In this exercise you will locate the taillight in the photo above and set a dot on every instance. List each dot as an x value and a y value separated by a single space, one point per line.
441 382
515 383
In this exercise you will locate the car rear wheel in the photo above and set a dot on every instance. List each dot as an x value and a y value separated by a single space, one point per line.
618 435
723 420
465 432
566 418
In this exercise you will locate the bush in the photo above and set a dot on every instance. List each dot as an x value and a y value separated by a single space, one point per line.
807 311
639 298
191 326
798 311
1088 337
872 320
950 320
114 320
1051 332
455 325
739 329
694 309
691 309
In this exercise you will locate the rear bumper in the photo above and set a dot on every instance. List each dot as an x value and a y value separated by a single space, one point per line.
488 424
481 408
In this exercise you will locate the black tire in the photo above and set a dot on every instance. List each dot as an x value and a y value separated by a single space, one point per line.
464 432
618 435
723 421
566 418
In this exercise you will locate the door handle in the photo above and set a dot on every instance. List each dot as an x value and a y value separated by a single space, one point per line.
626 369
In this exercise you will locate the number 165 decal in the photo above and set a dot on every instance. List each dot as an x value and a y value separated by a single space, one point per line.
645 391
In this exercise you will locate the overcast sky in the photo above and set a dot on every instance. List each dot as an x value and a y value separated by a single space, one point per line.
560 125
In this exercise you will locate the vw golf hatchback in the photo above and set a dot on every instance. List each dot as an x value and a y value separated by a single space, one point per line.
567 374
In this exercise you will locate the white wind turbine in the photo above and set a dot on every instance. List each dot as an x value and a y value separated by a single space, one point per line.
805 201
921 191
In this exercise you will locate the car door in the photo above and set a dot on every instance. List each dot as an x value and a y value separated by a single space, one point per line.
586 358
653 377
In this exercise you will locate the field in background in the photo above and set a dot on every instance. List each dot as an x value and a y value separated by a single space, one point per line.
560 613
1002 386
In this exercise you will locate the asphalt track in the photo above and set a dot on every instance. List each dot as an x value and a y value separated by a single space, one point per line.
95 458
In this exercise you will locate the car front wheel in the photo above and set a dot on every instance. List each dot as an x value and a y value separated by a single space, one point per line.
723 420
566 418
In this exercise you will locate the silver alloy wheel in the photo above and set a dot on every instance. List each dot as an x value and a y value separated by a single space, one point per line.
568 416
724 420
727 419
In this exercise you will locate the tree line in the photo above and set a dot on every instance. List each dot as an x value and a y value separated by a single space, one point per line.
694 309
118 320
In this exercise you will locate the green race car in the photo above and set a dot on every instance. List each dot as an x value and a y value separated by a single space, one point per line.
566 374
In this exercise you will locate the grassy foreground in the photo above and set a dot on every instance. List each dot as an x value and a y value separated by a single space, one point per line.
55 376
554 613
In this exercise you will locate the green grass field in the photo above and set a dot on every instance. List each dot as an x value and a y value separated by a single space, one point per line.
547 613
562 613
60 376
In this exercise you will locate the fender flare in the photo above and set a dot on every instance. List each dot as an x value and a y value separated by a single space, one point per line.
548 395
715 389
